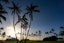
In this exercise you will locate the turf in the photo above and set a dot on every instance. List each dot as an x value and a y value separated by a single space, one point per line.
37 42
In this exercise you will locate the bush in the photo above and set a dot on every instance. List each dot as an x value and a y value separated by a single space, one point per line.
52 38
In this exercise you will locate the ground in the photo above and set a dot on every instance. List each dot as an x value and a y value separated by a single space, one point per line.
38 41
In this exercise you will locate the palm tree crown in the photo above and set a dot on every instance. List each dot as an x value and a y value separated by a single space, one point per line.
2 11
30 9
15 9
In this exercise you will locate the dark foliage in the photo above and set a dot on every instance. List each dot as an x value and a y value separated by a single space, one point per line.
52 38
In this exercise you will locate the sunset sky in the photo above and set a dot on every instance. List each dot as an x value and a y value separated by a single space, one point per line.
51 15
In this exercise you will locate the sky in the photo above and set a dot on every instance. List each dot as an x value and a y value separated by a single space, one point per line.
51 15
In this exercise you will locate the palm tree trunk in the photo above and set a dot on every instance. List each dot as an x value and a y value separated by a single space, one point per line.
20 36
28 31
14 27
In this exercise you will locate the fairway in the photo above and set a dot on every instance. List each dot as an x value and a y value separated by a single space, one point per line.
37 42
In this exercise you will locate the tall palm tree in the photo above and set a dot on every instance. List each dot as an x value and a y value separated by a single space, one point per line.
23 21
2 11
30 10
15 10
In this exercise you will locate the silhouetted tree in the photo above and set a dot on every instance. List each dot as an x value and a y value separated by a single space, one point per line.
52 38
61 31
2 11
39 32
52 31
0 30
23 21
61 27
15 10
36 33
30 10
46 32
6 1
3 34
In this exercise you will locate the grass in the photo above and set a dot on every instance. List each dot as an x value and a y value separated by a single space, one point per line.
39 42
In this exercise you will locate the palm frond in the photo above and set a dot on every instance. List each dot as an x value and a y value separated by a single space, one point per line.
24 17
33 6
4 18
0 21
3 12
36 11
19 19
10 7
15 9
6 1
17 22
1 7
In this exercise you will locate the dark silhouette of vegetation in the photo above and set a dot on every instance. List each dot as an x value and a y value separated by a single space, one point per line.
52 38
2 34
61 33
15 10
2 11
6 1
52 31
24 22
39 32
30 9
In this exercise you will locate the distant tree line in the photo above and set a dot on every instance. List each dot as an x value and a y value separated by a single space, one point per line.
55 36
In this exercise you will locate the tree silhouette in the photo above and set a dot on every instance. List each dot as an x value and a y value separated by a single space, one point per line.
46 32
62 31
52 31
15 10
2 11
61 27
6 1
39 32
1 29
23 21
30 10
2 34
36 33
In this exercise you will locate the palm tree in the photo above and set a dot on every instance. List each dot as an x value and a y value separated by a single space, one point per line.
61 27
62 31
39 32
2 11
30 10
46 32
15 10
1 29
6 1
2 33
23 21
52 29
